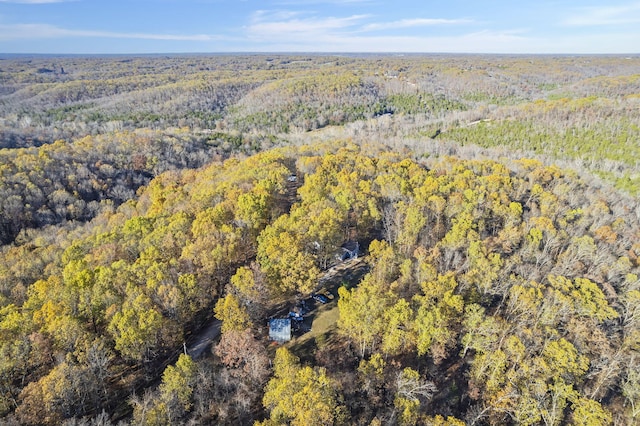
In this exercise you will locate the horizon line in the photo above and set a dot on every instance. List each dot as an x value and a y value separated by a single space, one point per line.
314 53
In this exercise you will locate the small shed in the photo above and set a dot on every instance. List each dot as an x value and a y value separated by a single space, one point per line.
280 330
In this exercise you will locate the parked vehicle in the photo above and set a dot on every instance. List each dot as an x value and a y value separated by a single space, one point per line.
321 298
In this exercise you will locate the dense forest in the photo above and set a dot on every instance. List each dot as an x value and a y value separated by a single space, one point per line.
151 206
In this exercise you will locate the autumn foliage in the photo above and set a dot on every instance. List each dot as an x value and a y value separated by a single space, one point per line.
495 288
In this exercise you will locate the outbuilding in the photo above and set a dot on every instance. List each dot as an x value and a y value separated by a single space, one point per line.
280 330
350 250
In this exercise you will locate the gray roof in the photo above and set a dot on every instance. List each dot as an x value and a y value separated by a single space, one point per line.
280 330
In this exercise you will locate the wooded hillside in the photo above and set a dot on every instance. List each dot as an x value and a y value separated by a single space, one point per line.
493 200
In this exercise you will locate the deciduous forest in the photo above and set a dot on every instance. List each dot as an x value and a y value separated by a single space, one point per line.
157 211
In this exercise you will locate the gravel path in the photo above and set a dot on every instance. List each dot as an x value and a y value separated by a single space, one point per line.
202 345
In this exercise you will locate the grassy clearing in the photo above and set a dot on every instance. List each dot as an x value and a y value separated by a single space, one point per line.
324 318
323 322
323 326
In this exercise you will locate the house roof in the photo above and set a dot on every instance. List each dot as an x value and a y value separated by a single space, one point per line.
351 246
280 329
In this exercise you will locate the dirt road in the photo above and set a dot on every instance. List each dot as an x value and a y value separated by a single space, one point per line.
202 344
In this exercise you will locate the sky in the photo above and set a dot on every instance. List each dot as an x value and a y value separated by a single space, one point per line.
425 26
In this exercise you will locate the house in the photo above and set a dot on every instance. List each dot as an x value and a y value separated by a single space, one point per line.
280 329
350 250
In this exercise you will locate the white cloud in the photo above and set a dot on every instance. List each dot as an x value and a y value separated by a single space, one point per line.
484 41
45 31
605 15
488 41
268 26
294 31
417 22
297 30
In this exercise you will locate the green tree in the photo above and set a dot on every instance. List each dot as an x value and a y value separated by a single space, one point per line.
438 313
234 316
587 412
287 266
243 282
397 334
362 311
298 395
178 382
371 371
137 329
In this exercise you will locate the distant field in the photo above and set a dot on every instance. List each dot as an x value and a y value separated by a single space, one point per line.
562 108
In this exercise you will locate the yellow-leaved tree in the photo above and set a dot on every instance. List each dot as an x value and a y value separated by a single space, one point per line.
300 396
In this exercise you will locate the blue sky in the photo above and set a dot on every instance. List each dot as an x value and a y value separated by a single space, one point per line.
166 26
